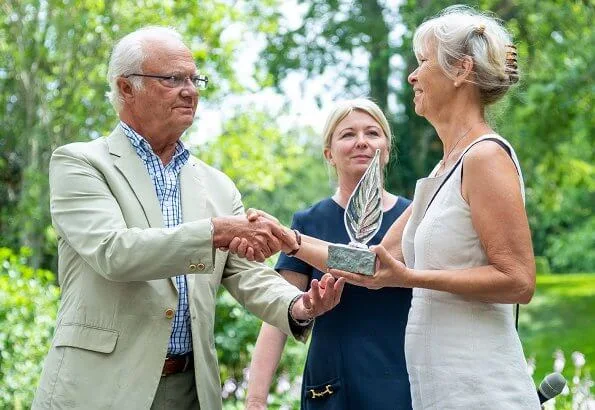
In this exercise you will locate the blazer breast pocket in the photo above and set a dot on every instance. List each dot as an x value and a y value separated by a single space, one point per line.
327 396
86 337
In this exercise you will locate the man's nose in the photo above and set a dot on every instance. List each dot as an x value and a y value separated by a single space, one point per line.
189 89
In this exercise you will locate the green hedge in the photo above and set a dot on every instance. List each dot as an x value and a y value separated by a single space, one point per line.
560 319
28 305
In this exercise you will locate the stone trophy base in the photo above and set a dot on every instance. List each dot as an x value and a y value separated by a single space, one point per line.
351 259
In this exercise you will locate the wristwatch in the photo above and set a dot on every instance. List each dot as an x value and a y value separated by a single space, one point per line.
298 239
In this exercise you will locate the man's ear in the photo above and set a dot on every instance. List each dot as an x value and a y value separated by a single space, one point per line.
125 88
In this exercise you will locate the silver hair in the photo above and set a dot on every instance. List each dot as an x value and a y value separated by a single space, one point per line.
128 56
461 31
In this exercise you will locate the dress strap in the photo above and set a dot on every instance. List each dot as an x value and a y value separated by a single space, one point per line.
460 161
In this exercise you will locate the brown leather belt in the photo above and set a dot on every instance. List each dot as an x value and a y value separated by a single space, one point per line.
177 364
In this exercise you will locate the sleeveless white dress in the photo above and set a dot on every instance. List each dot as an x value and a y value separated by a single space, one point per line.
460 353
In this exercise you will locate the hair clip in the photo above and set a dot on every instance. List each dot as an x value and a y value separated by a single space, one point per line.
511 65
511 55
479 29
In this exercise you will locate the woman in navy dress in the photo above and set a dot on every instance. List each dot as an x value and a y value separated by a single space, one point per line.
356 357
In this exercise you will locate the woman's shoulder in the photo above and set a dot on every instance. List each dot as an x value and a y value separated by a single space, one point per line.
489 148
320 209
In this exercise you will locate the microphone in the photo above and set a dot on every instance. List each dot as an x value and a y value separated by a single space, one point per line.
550 387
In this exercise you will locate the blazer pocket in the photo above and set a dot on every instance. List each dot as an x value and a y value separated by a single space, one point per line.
86 337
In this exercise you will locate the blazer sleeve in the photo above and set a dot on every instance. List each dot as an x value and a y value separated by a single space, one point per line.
260 289
87 216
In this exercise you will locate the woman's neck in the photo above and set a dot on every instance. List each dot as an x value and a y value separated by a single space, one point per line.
459 125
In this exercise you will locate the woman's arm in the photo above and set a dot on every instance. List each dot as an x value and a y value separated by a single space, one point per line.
498 215
393 238
267 354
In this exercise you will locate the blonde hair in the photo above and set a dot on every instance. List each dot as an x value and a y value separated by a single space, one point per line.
343 108
461 31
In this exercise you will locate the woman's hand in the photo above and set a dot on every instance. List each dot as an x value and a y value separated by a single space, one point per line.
390 272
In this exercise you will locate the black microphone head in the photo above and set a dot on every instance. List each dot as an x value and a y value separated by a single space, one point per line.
552 385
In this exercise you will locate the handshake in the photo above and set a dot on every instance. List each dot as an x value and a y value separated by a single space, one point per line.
255 236
259 235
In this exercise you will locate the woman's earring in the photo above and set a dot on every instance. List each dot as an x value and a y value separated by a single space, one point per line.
456 84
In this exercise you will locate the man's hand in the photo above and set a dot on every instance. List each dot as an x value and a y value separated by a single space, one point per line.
261 237
242 248
322 297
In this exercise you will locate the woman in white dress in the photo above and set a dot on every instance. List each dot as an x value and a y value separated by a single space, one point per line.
464 244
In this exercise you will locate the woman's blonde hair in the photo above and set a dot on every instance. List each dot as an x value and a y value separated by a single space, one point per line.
343 108
461 31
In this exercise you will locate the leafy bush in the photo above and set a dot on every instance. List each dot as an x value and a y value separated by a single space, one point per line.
28 305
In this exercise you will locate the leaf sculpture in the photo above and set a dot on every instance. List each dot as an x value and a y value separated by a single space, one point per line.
363 214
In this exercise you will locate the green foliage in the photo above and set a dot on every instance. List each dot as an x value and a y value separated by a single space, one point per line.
551 123
235 329
558 318
279 172
332 34
28 303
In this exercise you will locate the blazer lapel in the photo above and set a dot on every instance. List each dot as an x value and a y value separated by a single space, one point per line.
132 168
193 198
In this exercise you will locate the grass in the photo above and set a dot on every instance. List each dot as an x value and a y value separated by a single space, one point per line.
560 316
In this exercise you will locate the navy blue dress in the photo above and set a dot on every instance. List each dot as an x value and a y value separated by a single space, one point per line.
358 347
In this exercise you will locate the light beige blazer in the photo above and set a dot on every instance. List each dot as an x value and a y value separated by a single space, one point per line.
116 262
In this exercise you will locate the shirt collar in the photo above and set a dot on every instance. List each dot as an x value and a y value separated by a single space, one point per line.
144 149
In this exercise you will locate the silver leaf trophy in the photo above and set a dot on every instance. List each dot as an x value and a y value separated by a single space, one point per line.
363 216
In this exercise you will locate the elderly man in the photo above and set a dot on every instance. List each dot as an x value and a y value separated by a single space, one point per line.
142 230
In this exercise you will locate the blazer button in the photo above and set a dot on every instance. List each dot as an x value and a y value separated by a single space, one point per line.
169 313
192 267
200 267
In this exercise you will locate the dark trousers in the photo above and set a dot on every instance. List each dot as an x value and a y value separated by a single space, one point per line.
176 392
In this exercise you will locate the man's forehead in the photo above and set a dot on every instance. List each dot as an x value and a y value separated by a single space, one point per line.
172 56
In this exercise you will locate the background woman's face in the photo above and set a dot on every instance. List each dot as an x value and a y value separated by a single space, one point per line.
354 143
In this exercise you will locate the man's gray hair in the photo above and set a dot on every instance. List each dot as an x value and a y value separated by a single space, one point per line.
128 56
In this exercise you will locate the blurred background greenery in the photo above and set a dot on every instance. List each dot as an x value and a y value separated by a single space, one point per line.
53 58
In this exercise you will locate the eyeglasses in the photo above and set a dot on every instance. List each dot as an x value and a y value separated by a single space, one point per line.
177 80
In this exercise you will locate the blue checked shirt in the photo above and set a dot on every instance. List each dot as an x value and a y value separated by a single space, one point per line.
167 186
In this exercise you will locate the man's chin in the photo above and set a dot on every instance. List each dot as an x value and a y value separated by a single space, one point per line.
186 119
